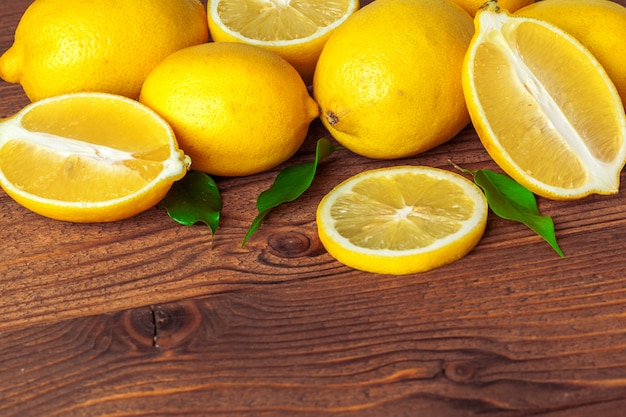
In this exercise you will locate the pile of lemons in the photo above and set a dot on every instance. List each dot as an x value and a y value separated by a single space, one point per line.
232 88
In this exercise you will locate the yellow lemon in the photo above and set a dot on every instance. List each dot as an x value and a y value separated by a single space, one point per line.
236 109
600 25
88 157
296 30
64 46
402 220
544 107
388 80
472 6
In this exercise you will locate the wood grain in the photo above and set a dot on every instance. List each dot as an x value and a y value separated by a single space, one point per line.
144 317
345 346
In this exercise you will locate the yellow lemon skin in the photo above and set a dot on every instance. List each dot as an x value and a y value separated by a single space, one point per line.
302 59
236 109
381 264
388 80
600 25
472 6
64 46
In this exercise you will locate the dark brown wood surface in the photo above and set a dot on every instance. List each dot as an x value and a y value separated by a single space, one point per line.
147 317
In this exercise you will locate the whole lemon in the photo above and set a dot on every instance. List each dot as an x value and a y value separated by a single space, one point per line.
472 6
236 109
600 25
64 46
388 80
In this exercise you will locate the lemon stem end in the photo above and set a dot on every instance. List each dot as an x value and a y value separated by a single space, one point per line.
491 5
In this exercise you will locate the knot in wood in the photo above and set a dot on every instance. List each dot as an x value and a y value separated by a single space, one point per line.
459 371
139 325
175 323
289 244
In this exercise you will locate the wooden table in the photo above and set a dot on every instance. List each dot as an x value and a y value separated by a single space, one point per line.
147 317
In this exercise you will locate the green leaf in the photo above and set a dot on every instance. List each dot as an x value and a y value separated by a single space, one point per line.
194 198
511 201
290 183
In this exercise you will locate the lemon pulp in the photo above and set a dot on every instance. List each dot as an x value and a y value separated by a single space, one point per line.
280 20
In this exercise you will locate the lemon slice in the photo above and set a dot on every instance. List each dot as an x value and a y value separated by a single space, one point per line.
544 108
402 220
88 157
294 29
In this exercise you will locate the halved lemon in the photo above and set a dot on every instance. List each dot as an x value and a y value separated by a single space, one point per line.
544 108
294 29
88 157
402 220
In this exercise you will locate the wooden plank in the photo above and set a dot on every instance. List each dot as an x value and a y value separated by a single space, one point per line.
384 346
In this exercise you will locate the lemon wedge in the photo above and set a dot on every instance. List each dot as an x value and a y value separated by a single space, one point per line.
544 108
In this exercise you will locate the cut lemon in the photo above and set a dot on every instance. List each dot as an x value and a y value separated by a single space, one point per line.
294 29
88 157
544 108
402 220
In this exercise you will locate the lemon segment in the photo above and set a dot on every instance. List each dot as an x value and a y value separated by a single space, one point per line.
561 133
88 157
294 29
402 220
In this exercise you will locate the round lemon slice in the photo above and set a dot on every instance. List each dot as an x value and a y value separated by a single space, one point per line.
402 220
544 108
88 157
295 30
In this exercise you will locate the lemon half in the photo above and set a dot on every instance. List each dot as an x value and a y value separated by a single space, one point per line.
88 157
295 30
